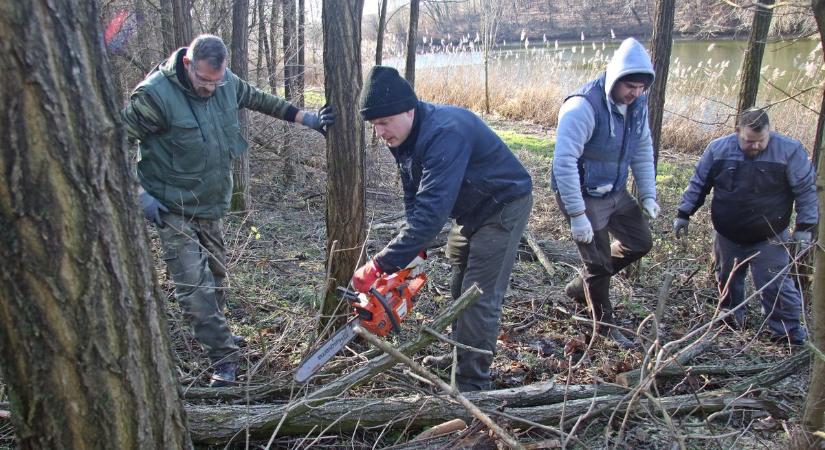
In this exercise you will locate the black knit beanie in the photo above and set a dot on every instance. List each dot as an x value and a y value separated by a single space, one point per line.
638 77
385 94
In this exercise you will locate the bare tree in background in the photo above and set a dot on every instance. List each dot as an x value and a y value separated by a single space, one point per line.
273 36
84 347
346 185
752 62
661 44
490 13
300 72
239 65
412 41
379 39
290 43
176 23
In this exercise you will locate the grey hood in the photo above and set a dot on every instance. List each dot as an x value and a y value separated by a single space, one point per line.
630 57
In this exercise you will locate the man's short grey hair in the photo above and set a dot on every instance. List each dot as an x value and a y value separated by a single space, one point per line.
208 48
754 118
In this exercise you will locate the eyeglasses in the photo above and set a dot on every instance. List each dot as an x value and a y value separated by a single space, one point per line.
204 82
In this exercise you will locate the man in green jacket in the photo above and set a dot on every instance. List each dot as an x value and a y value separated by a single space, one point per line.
185 115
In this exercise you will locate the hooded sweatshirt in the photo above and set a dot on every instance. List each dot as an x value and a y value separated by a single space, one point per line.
598 140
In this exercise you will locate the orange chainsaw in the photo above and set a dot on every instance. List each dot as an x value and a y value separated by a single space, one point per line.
380 311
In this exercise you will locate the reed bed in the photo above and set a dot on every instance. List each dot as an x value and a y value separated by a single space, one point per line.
530 84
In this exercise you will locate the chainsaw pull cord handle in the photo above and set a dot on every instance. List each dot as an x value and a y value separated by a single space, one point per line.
396 327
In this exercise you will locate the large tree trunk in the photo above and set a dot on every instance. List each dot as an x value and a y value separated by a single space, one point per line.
83 336
346 186
240 168
661 44
814 415
412 41
752 62
379 40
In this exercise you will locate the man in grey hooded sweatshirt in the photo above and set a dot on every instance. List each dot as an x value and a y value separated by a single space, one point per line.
602 132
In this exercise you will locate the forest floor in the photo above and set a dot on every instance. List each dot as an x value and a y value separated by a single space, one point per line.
276 256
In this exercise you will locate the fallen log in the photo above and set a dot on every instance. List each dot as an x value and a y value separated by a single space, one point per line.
220 423
632 377
208 427
776 373
402 412
235 418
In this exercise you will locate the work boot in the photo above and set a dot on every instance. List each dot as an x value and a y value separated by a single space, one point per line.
224 374
441 362
617 336
575 290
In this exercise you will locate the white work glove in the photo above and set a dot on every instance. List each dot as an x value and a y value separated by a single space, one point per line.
680 225
650 208
581 229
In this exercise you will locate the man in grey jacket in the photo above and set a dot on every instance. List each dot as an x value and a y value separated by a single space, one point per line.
602 133
757 177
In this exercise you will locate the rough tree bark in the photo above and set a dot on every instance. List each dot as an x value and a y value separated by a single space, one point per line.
239 63
83 336
661 44
752 62
412 41
346 186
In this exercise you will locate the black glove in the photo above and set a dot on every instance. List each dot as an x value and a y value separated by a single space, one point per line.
321 120
152 208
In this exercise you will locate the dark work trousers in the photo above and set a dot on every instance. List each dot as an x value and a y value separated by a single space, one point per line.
484 257
194 252
617 214
781 299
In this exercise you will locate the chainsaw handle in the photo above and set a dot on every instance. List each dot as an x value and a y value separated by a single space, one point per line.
396 327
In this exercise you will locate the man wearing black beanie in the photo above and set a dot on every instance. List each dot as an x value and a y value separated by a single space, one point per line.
602 133
452 165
